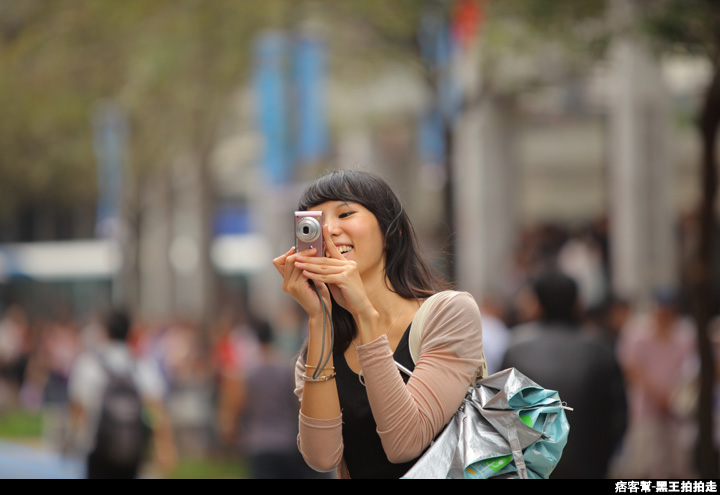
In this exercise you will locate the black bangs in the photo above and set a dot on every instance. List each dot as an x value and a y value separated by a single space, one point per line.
350 186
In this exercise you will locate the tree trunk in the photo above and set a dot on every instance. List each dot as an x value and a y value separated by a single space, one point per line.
207 269
705 297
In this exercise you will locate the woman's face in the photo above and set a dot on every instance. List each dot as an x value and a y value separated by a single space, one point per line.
356 233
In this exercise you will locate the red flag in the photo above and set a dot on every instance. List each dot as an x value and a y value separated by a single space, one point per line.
467 18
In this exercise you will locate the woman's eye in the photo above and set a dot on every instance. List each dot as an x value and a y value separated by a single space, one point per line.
346 214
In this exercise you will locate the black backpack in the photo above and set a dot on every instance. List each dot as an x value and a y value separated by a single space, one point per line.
123 433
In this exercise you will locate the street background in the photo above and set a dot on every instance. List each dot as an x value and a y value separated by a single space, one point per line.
152 153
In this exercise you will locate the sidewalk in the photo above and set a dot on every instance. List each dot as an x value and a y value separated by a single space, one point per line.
18 461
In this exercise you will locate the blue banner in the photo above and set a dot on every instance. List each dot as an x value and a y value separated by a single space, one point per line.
437 49
110 138
431 138
271 91
232 220
311 135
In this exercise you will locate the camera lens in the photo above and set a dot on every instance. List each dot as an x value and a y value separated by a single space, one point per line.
308 229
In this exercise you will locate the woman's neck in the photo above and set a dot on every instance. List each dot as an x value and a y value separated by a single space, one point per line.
384 299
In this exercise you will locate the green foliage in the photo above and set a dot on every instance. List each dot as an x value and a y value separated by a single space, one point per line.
549 15
21 425
172 64
686 27
210 468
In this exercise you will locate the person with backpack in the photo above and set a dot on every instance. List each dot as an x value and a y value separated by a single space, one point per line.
117 407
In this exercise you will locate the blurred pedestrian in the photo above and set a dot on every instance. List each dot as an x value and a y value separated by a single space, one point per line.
59 347
235 353
269 415
359 414
559 354
657 352
581 258
14 350
190 393
495 333
609 319
88 381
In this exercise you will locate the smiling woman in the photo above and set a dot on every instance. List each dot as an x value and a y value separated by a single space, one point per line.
358 413
405 271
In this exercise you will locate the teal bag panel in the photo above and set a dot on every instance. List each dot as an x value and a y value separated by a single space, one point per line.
541 457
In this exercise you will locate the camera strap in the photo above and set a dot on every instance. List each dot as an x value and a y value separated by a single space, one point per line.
323 360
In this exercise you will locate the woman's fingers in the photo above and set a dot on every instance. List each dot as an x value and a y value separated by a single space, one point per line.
323 266
281 261
330 246
285 265
296 284
327 270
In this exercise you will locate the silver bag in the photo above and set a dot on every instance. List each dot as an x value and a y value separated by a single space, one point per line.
507 427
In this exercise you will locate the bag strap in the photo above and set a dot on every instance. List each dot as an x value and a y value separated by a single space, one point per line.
517 452
418 325
111 373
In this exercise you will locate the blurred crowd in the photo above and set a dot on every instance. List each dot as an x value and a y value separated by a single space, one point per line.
630 369
231 393
228 395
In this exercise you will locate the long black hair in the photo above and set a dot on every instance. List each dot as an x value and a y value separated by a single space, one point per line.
407 272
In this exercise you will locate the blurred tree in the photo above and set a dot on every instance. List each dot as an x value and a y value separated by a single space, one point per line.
172 66
45 144
693 27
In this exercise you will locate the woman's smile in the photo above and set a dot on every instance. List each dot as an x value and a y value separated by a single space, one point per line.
355 232
344 249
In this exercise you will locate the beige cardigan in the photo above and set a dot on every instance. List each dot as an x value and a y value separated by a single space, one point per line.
408 416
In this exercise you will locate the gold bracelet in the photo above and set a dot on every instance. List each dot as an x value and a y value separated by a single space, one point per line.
319 379
331 368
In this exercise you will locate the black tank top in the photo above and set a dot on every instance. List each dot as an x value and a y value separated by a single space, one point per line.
363 451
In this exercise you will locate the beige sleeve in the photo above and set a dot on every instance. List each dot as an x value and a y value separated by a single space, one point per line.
319 440
409 417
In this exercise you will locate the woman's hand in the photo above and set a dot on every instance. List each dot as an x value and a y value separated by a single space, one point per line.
298 286
339 274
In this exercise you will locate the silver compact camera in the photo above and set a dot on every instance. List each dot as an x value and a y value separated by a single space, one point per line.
308 231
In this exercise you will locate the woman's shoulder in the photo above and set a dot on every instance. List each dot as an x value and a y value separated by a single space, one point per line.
444 318
450 300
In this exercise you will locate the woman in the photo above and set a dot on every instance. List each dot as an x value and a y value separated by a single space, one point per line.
358 413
